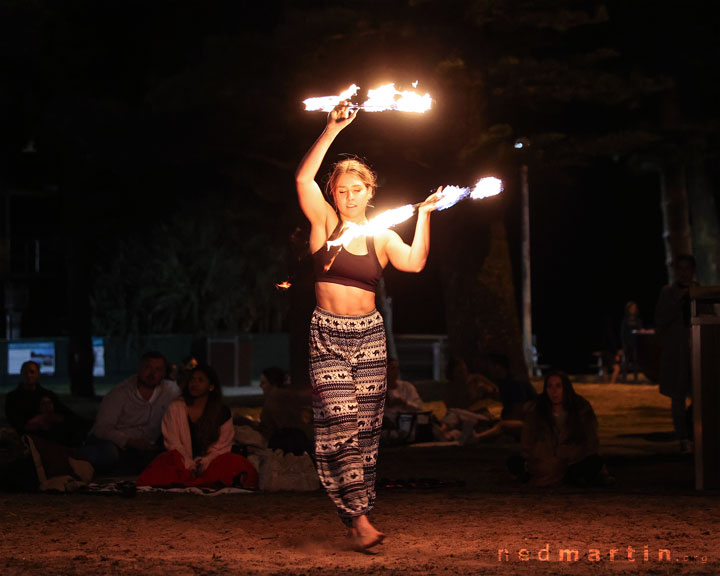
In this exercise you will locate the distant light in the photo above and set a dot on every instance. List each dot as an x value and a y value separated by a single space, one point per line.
521 143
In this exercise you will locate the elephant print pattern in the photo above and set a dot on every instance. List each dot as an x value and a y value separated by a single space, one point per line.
348 370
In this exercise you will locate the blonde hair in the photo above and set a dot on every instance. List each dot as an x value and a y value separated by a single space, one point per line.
351 166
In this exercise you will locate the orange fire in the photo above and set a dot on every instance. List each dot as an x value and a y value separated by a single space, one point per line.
380 99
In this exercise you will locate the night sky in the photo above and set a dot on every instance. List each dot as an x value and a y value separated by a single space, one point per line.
145 115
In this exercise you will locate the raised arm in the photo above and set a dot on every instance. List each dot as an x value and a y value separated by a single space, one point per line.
412 258
312 201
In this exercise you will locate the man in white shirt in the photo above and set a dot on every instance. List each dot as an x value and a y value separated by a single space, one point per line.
127 435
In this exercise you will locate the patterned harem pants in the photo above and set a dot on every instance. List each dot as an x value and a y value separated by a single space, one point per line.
348 370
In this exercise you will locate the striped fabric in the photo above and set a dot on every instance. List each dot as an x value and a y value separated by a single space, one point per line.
348 370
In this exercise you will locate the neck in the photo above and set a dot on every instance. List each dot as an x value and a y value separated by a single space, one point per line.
144 389
360 220
199 402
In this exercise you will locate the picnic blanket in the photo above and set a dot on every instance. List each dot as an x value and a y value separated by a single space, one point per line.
126 487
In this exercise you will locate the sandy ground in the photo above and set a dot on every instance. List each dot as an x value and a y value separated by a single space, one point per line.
488 525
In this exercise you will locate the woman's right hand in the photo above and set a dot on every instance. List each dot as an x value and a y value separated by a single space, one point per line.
342 115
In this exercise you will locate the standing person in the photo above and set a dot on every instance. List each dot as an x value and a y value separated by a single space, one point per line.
672 320
347 335
629 327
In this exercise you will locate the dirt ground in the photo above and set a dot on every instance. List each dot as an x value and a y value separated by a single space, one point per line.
487 525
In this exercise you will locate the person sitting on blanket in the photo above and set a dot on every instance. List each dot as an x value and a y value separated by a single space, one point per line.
402 396
126 434
466 398
198 435
286 417
514 394
32 409
559 439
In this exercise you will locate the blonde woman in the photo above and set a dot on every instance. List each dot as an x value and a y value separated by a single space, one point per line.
347 336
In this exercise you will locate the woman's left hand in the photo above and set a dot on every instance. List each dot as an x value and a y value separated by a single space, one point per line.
431 201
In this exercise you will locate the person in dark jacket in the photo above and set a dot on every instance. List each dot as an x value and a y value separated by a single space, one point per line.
559 437
32 409
672 321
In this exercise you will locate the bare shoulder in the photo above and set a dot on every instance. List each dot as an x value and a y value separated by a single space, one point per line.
385 237
386 244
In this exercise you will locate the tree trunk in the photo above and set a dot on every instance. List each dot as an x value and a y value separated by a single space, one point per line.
80 352
704 218
676 223
480 304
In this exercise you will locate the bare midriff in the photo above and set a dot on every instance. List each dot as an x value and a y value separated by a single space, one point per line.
344 300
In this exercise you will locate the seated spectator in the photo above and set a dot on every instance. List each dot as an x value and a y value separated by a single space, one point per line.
126 434
466 398
514 394
465 390
402 396
286 417
559 438
198 435
405 418
32 409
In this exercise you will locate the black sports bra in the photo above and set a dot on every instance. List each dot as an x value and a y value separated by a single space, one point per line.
338 266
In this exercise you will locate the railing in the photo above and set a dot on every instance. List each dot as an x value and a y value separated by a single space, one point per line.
422 356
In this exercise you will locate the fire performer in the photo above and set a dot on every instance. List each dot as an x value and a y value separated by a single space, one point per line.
347 337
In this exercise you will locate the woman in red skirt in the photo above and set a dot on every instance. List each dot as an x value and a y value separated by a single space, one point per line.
198 435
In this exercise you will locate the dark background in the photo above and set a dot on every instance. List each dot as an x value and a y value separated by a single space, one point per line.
155 143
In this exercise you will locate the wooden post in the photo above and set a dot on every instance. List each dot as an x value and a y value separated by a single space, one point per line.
705 324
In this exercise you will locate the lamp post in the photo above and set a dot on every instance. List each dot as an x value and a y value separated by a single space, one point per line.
522 144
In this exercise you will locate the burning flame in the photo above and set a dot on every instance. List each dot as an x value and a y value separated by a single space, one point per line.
449 196
484 188
386 97
327 103
283 285
374 226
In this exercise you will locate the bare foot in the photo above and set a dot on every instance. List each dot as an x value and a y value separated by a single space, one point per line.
364 534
